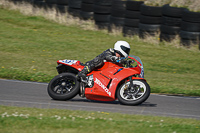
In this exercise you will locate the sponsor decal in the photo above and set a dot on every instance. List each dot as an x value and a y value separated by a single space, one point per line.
97 81
69 62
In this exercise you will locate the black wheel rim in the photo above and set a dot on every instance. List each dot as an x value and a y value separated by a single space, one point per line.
63 85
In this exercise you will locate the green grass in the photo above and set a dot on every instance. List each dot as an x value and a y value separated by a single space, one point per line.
23 120
31 45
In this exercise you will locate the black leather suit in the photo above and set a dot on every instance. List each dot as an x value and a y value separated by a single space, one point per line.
98 61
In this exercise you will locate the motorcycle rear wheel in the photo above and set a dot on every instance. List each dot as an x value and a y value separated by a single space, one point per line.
135 96
64 86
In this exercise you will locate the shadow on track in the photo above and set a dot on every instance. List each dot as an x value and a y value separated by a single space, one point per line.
145 104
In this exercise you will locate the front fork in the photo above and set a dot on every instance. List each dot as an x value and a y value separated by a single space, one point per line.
131 87
131 82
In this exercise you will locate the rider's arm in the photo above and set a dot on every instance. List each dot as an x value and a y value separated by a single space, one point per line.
109 55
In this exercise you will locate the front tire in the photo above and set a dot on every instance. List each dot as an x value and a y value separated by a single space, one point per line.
135 96
64 86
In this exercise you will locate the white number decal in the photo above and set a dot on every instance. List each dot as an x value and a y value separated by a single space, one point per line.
69 62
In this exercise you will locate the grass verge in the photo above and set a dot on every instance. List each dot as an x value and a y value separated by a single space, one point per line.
30 46
17 119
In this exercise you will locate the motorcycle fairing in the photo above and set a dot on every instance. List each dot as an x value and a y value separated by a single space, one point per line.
100 89
106 83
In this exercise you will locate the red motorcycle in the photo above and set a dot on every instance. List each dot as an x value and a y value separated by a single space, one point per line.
111 82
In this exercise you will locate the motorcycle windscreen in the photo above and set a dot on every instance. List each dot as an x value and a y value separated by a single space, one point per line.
141 65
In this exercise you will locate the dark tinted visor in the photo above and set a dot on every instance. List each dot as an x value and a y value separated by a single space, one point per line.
125 49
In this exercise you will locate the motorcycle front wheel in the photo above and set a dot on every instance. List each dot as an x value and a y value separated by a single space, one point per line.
133 96
64 86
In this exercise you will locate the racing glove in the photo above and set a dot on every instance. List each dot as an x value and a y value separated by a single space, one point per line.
114 58
122 60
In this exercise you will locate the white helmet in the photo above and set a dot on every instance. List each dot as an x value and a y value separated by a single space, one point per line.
122 48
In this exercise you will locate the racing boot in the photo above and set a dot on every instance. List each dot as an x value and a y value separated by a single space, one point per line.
82 74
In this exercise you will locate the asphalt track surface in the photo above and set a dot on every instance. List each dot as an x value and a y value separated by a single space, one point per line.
34 94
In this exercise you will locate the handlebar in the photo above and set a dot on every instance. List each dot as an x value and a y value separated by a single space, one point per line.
126 62
118 61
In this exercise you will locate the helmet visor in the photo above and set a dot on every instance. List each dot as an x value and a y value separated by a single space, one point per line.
125 49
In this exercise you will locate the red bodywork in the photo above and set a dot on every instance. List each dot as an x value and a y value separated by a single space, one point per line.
106 78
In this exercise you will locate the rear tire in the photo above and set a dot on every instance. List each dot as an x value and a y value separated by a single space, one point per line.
64 86
138 95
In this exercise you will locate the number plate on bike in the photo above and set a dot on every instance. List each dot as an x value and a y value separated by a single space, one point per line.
68 62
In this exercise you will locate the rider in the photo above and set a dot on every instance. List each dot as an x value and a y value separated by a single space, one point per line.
121 49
